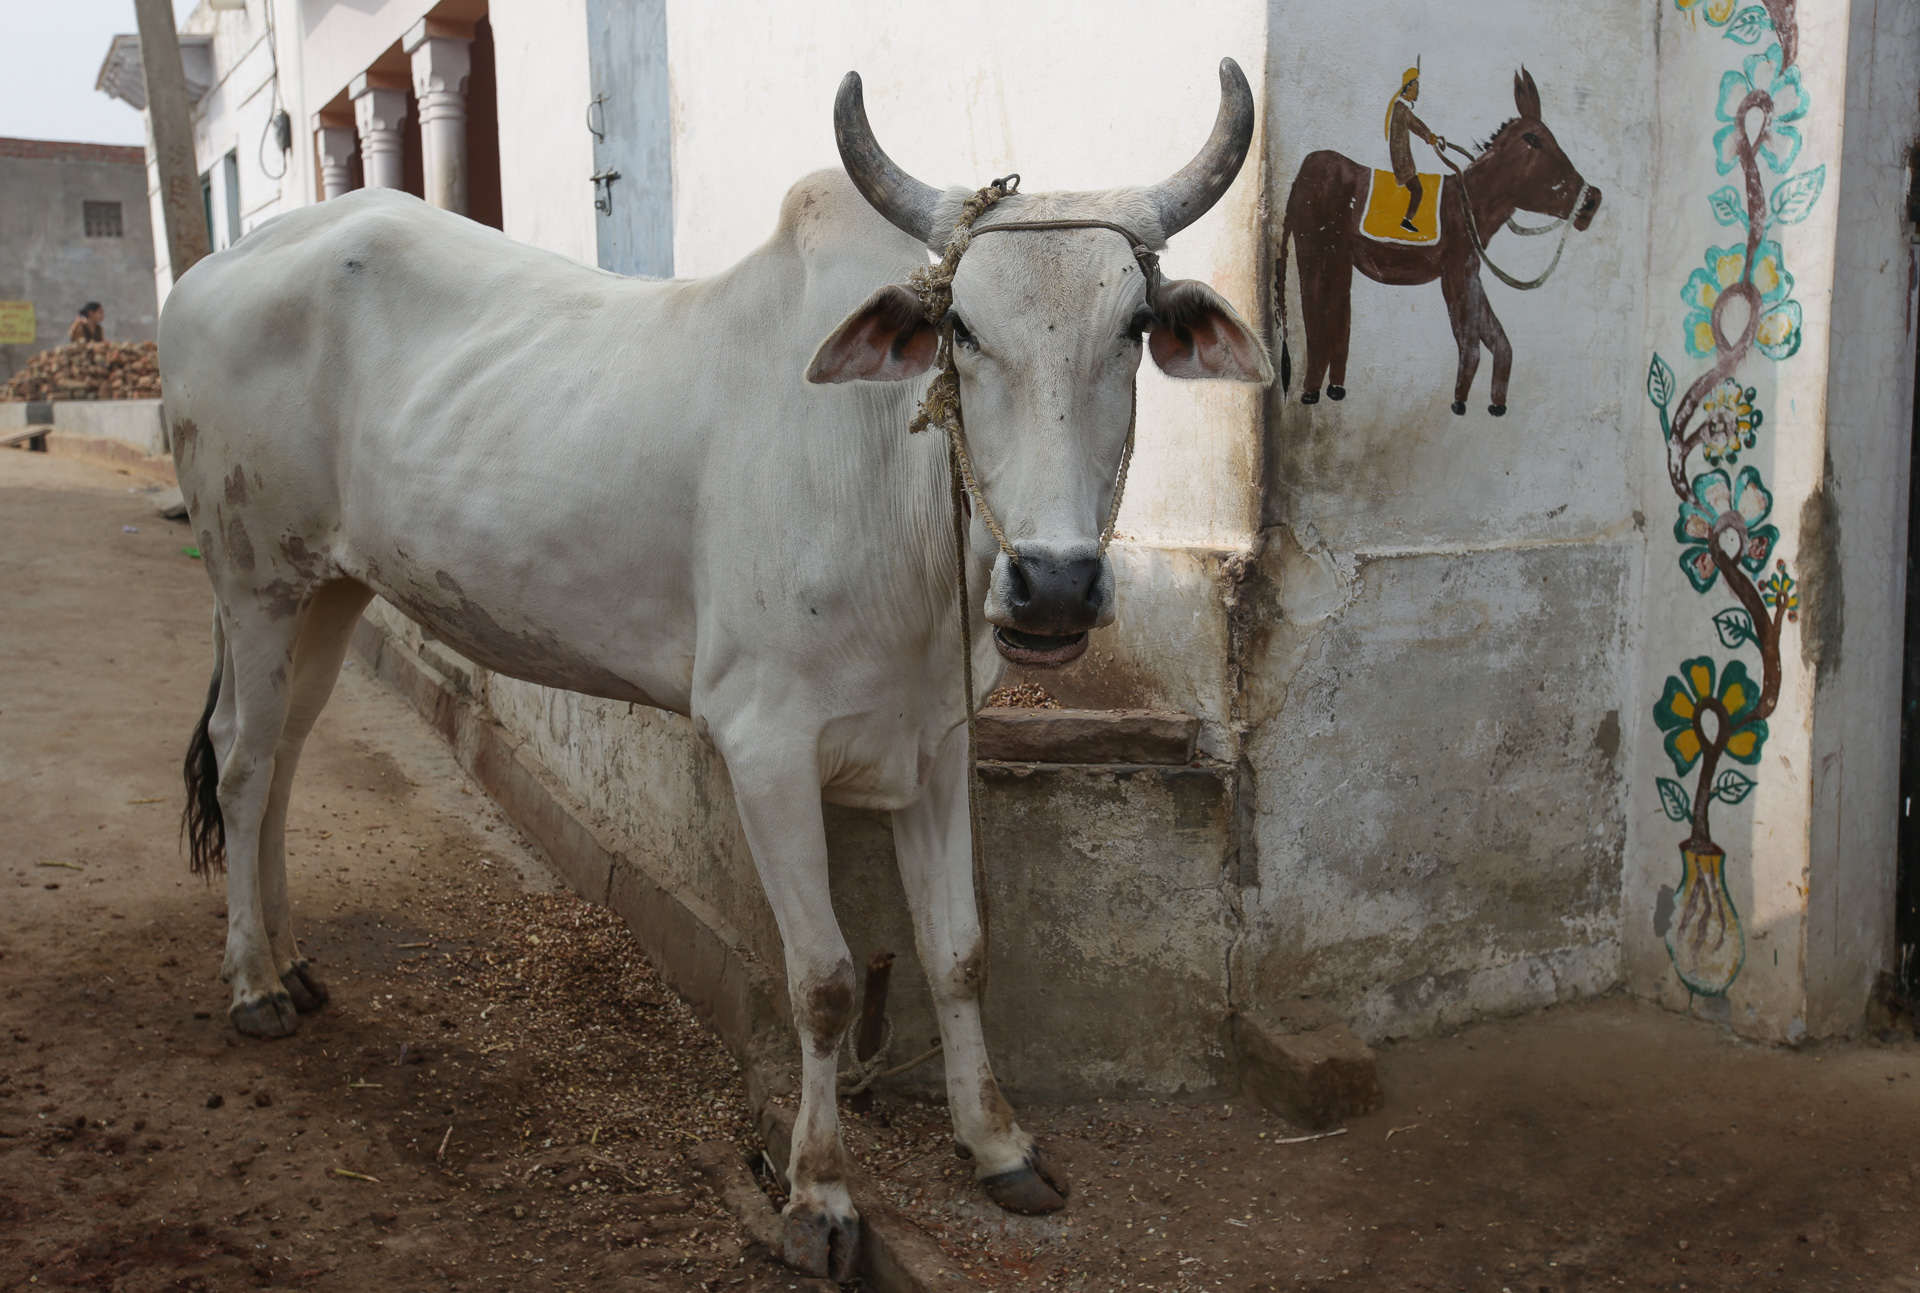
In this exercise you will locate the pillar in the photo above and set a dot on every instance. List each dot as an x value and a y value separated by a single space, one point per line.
170 117
379 113
336 156
442 58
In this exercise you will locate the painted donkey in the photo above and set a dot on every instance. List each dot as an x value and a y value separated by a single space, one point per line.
661 493
1520 169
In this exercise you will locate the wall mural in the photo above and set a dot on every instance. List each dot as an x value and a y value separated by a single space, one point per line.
1713 713
1404 228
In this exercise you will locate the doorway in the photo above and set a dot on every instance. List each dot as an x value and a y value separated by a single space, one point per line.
1906 920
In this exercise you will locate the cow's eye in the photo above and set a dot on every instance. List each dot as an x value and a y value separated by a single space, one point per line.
1533 140
1137 327
960 332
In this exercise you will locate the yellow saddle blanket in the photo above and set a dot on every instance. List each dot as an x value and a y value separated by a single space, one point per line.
1387 206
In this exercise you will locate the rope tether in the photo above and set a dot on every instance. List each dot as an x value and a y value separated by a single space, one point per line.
940 407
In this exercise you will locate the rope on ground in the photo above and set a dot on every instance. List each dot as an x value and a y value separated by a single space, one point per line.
865 1073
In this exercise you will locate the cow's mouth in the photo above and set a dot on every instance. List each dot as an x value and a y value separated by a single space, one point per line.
1039 649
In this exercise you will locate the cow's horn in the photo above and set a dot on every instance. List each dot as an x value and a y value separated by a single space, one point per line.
1195 187
894 194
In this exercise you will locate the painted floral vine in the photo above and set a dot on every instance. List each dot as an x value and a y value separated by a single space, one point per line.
1713 712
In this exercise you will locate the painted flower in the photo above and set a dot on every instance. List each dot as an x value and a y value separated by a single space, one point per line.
1728 421
1779 142
1727 513
1692 696
1778 592
1715 12
1779 333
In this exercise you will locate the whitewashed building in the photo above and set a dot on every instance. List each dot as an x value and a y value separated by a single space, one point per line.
1448 654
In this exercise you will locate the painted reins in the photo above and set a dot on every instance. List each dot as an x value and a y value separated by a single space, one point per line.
1564 224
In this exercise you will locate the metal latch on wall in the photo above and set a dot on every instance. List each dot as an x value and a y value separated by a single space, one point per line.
602 180
603 190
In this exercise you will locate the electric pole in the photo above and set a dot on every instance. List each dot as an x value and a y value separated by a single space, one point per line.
170 116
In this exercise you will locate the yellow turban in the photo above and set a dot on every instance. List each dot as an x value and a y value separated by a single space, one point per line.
1411 75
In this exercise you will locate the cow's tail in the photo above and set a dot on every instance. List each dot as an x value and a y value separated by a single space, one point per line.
1280 309
201 824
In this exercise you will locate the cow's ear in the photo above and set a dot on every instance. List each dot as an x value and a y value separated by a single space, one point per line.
1197 334
887 339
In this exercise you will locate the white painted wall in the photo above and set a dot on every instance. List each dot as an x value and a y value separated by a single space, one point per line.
1810 851
342 38
546 151
1869 394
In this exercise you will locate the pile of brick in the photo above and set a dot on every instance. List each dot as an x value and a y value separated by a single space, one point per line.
90 370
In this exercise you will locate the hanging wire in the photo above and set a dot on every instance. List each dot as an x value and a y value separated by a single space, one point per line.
276 112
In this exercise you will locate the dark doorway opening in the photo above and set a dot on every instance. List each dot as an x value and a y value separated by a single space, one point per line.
1907 889
483 131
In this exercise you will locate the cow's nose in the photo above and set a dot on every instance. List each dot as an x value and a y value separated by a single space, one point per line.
1049 592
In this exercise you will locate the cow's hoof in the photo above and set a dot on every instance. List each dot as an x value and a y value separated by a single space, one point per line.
1498 410
1036 1186
268 1015
817 1243
1310 397
304 986
1460 408
1336 392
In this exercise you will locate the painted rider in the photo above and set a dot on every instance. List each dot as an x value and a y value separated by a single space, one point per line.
1400 124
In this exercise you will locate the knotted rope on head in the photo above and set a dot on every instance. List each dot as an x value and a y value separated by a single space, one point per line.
940 406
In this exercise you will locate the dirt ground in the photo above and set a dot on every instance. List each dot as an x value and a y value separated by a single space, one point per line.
502 1095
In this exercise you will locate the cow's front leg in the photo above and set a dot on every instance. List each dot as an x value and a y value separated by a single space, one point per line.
934 843
779 802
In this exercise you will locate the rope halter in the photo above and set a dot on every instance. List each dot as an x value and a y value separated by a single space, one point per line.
940 406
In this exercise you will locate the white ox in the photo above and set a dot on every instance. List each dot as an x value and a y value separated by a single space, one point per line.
657 492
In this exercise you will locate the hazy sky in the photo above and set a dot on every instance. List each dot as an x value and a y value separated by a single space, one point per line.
54 51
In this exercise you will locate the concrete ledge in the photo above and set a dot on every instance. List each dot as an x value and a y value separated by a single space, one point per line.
1303 1063
112 453
1152 736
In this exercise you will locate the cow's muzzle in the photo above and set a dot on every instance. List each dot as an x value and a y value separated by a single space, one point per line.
1043 606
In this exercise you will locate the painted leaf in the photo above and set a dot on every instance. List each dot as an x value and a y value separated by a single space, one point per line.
1793 198
1659 381
1749 25
1727 206
1675 799
1735 626
1731 787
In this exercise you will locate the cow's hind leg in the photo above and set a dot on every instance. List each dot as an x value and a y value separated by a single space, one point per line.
934 843
325 630
778 793
260 642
